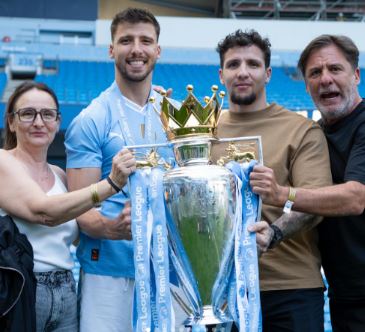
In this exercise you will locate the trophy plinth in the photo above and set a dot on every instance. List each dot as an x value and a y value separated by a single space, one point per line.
207 318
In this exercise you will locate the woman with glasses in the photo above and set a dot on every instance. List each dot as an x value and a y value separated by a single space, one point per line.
32 192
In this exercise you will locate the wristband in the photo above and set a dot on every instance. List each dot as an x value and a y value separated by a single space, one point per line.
291 199
115 187
95 196
278 236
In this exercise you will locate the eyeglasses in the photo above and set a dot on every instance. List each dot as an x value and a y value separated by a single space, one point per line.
29 114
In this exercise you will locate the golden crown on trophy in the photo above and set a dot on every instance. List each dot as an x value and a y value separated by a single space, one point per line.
190 118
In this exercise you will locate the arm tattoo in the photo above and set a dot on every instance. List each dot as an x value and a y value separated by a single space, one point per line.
295 222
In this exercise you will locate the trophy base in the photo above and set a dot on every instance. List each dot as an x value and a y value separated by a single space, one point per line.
207 318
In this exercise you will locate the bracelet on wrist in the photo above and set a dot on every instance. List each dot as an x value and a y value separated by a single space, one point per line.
277 237
114 186
291 199
95 196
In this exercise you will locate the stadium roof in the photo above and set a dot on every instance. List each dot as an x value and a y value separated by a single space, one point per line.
203 7
315 10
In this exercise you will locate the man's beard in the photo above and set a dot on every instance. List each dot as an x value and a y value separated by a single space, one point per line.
134 77
246 100
345 108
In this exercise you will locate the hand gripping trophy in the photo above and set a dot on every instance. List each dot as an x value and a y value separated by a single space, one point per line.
194 242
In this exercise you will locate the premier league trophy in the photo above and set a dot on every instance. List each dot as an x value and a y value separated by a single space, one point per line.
209 248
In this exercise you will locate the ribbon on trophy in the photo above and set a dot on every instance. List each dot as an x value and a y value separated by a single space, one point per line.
152 306
237 283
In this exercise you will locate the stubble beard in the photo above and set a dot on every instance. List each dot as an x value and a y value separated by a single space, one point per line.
134 77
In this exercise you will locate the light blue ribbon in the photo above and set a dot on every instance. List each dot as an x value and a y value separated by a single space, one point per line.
141 242
237 283
249 259
152 306
160 253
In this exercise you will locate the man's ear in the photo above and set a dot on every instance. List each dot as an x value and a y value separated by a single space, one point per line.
268 74
221 76
357 76
111 51
158 51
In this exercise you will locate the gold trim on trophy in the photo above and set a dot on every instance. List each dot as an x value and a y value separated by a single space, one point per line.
235 152
150 159
191 118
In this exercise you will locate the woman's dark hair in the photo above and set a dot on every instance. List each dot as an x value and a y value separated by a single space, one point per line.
10 140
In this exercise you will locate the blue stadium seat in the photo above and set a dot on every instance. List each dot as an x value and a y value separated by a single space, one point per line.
3 79
78 82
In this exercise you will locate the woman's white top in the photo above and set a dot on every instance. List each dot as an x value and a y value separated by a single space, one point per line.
51 245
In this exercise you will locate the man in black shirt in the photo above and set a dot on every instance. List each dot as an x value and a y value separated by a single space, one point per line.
329 65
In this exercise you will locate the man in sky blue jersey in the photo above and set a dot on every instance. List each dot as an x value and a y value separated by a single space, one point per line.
120 116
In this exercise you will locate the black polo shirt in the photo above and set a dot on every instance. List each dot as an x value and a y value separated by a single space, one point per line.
342 239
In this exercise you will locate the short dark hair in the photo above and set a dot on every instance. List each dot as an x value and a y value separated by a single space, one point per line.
10 140
247 38
343 43
134 16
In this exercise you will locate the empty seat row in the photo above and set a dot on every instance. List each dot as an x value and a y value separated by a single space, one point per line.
78 82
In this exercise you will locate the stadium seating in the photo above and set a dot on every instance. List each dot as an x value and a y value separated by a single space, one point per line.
2 82
78 82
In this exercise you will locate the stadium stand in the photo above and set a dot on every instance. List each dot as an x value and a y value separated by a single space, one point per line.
3 80
78 82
